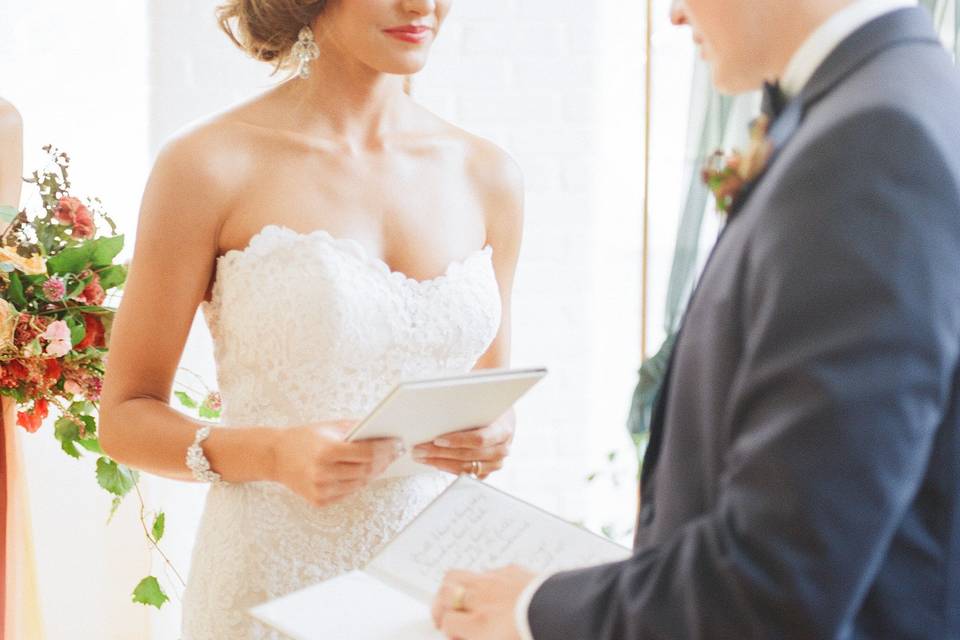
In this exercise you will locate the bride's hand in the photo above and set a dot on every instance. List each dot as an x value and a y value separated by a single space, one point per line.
314 461
458 452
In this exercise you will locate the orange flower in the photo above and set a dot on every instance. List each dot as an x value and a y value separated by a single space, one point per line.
33 420
9 317
32 266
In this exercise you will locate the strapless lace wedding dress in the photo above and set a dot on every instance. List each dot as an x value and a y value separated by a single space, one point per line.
308 327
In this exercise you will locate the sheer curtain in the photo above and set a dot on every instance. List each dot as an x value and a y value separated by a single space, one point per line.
719 122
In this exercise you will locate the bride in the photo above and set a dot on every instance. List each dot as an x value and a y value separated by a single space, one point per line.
338 238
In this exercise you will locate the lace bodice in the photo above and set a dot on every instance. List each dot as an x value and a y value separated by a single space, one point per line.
308 327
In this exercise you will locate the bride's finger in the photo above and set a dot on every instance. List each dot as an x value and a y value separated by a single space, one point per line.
485 454
475 438
457 467
368 450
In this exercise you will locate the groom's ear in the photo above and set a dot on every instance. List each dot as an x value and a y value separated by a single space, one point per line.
678 13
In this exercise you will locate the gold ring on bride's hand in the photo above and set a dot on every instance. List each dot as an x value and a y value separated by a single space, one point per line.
459 598
476 467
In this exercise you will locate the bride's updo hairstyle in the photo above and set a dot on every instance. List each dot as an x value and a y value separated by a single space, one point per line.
267 29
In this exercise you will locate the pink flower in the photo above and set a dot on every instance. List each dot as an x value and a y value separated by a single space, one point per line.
73 388
57 336
93 294
54 289
213 401
71 211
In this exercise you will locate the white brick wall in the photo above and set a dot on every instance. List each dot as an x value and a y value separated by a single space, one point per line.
558 83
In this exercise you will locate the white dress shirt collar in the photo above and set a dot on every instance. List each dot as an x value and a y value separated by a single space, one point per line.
828 36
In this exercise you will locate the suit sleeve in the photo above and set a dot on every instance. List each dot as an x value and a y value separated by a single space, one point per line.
850 309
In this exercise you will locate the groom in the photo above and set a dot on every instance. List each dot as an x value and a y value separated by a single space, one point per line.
803 474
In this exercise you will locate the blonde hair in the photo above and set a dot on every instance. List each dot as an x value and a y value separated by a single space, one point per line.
267 29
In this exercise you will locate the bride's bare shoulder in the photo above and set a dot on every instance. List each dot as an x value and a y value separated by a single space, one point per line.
219 148
201 173
489 167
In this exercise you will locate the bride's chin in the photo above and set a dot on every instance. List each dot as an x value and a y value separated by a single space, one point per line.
406 65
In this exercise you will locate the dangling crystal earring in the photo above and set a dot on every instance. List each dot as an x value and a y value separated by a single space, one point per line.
305 50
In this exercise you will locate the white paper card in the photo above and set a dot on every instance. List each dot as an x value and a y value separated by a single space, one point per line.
420 411
354 606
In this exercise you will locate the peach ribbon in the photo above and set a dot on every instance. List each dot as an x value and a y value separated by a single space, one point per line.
21 610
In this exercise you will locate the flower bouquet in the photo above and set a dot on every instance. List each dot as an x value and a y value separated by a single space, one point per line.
57 276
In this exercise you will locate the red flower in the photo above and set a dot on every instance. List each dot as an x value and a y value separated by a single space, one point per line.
72 212
93 293
13 374
28 328
95 333
54 369
32 421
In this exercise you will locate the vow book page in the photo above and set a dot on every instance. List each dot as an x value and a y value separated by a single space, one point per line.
476 527
355 606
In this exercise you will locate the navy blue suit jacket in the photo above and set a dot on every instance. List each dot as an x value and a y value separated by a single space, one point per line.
803 476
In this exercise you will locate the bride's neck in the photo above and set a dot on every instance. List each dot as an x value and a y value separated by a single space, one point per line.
346 99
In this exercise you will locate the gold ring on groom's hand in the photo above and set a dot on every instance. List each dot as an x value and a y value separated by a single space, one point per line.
476 468
459 597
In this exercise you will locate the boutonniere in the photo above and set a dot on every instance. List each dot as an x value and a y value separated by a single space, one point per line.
727 174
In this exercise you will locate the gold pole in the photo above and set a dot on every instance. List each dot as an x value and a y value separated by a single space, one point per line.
645 260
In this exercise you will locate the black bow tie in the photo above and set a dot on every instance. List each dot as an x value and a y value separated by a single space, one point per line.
774 100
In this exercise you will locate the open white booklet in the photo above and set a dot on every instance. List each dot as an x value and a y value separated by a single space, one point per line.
470 526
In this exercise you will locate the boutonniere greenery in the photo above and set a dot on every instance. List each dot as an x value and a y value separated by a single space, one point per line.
726 175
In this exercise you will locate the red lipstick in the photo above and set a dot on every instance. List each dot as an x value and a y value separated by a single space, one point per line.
414 34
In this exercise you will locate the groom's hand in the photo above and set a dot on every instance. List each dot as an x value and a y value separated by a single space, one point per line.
480 606
461 451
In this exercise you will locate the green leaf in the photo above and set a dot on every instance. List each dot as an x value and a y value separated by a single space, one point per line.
69 448
149 592
105 250
78 330
91 444
158 525
72 260
209 413
7 214
113 508
80 407
15 290
68 433
186 400
89 424
115 478
77 288
113 276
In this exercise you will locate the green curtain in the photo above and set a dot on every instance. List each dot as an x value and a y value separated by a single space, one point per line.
719 122
715 122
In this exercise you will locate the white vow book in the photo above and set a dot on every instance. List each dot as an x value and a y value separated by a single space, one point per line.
470 526
421 411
